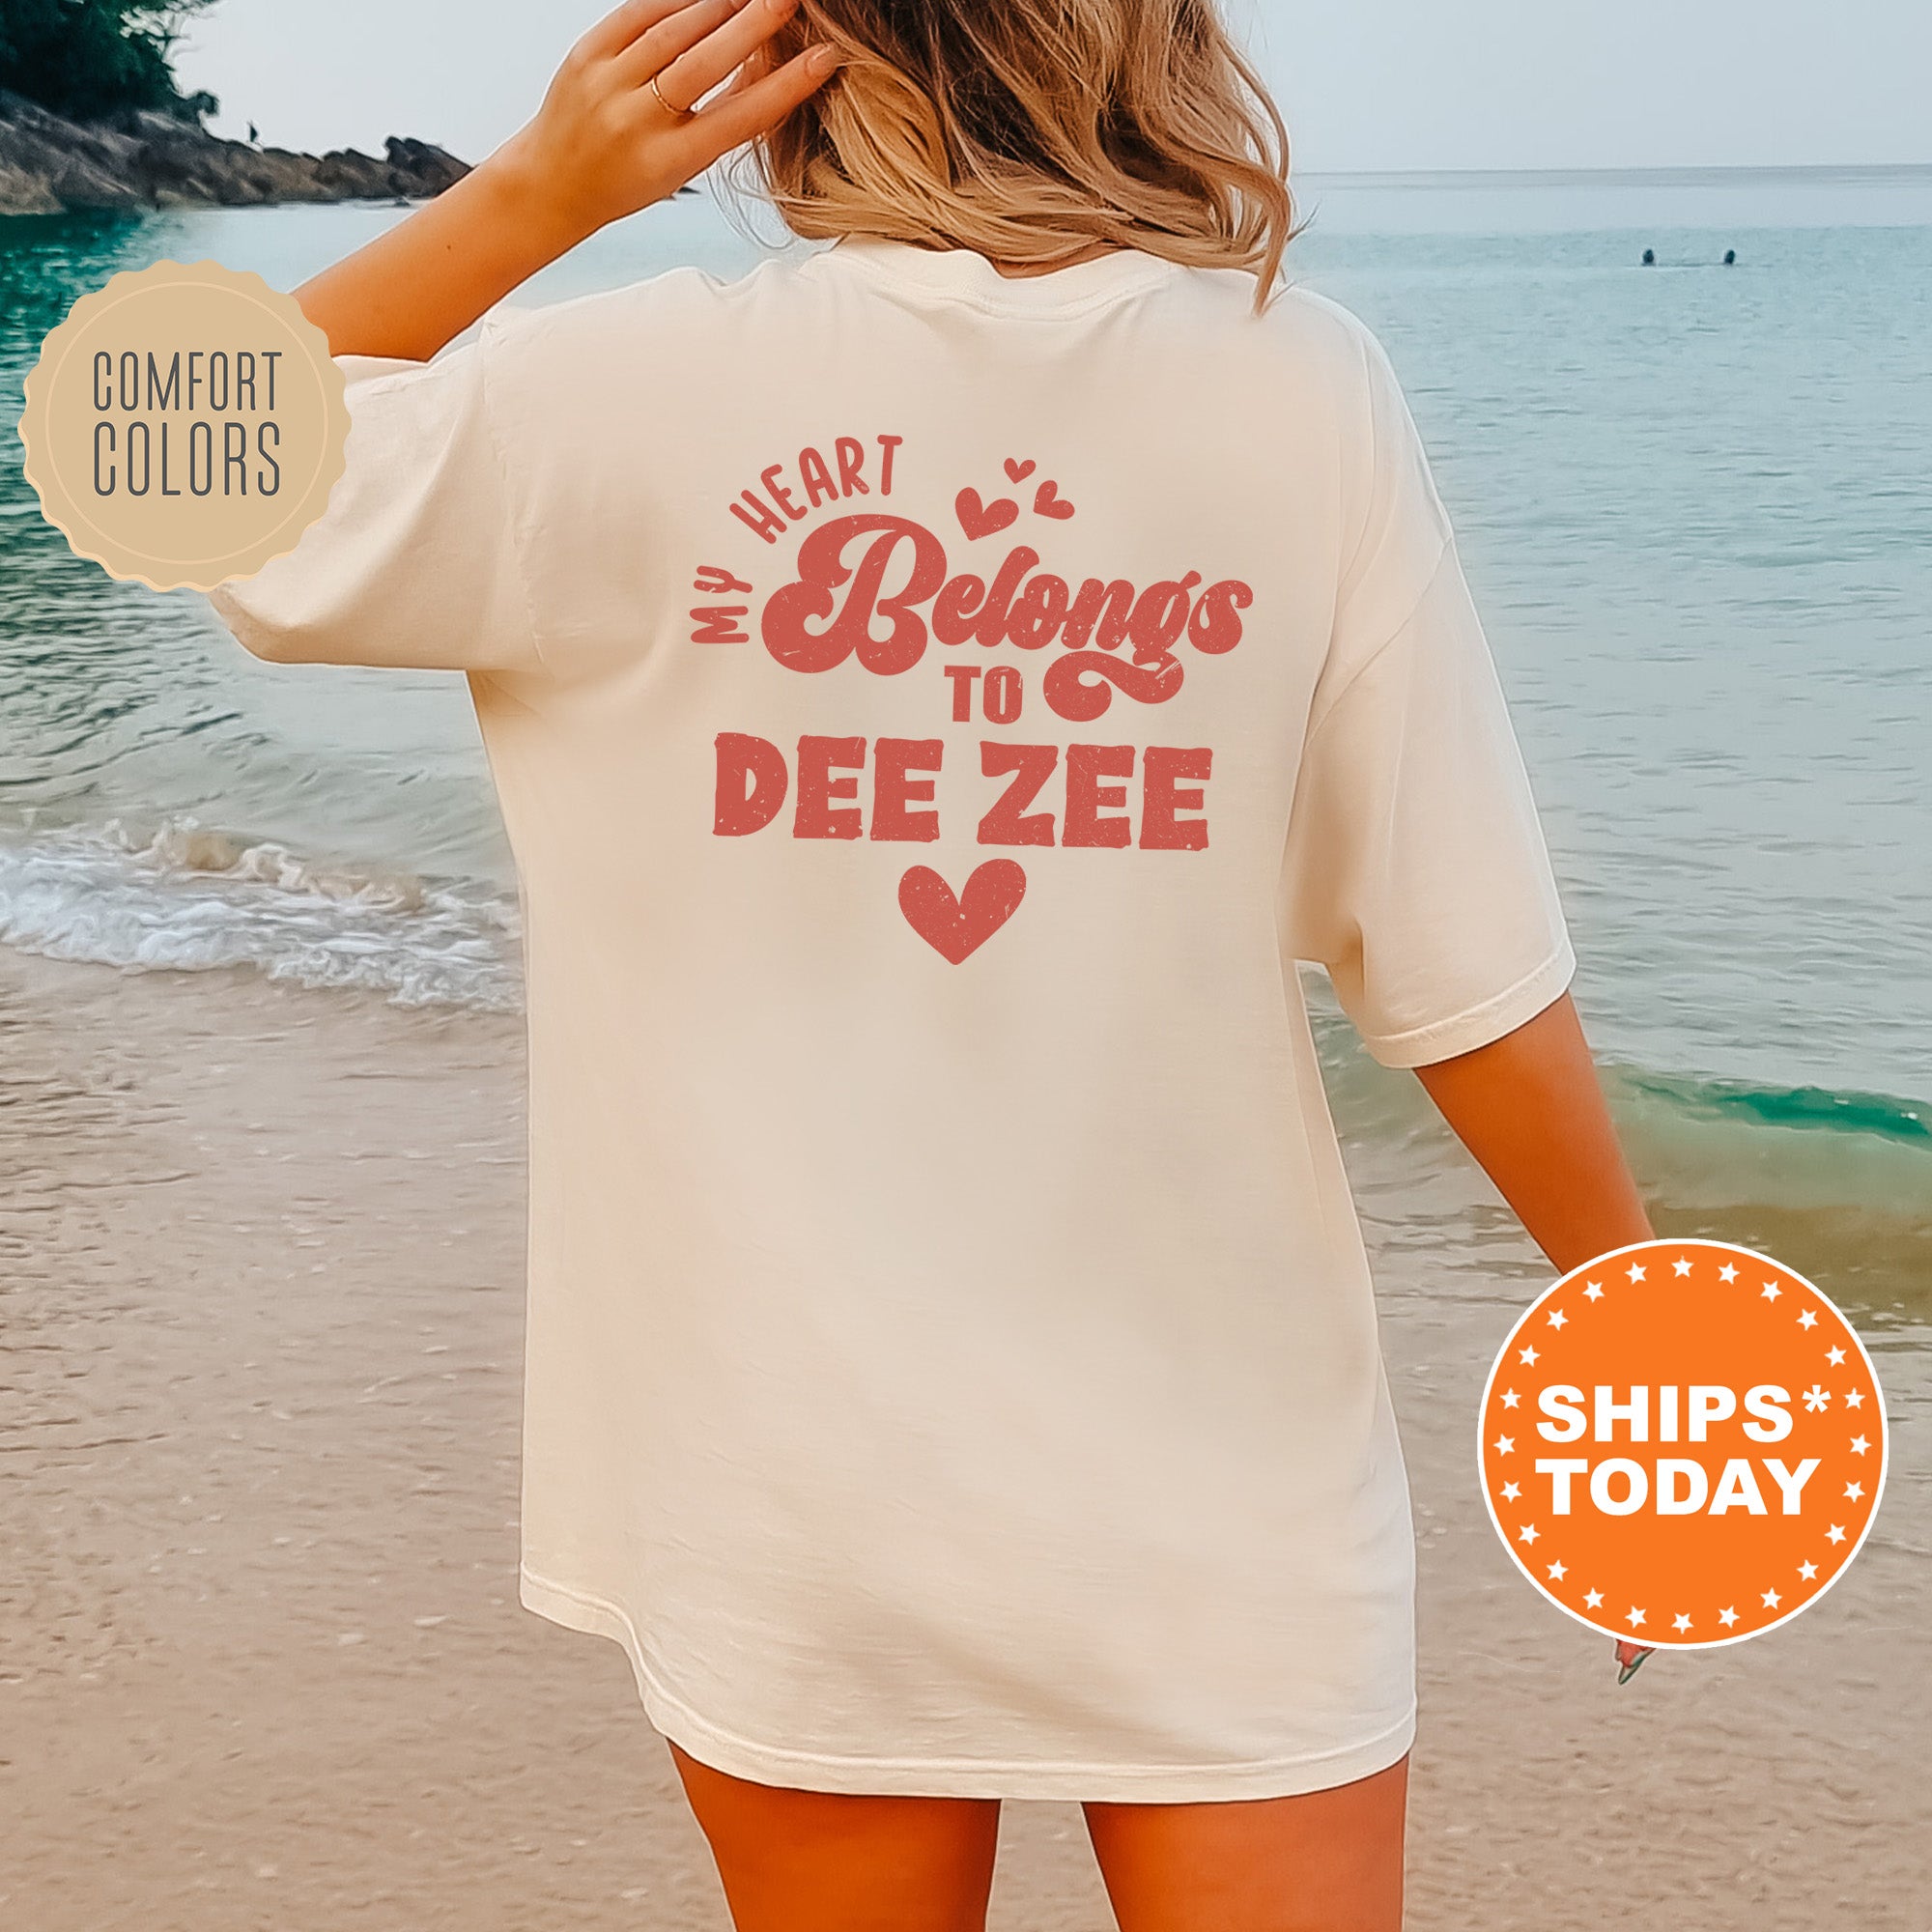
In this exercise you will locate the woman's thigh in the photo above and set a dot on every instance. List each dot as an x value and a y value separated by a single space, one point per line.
1329 1862
817 1862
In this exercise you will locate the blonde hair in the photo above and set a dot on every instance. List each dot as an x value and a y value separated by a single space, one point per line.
1028 130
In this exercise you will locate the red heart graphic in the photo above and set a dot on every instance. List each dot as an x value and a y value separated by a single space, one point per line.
981 520
1049 502
1018 472
957 926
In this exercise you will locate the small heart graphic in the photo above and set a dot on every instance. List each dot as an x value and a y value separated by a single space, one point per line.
1049 502
956 925
981 520
1018 472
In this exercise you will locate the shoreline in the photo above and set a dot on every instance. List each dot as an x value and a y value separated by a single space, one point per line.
146 160
261 1250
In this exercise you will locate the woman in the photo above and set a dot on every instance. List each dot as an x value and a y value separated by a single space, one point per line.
936 689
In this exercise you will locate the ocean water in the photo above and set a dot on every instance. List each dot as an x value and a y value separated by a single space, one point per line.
1695 503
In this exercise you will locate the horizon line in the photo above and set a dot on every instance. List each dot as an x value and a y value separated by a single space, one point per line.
1696 174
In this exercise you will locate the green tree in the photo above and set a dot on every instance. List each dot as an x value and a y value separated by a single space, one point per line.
94 58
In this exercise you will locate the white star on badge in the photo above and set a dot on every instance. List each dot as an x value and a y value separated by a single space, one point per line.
1727 1617
1680 1267
1855 1398
1860 1445
1593 1599
1836 1534
1771 1291
1816 1398
1510 1493
1594 1292
1808 1319
1808 1571
1680 1622
1526 1356
1771 1600
1635 1271
1528 1533
1835 1356
1505 1444
1557 1573
1511 1397
1727 1272
1635 1618
1853 1490
1557 1317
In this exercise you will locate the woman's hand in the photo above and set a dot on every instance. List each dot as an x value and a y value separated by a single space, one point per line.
616 132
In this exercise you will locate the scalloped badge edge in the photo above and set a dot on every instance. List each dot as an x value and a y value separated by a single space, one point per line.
121 561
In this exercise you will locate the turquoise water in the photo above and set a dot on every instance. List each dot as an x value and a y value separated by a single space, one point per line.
1697 506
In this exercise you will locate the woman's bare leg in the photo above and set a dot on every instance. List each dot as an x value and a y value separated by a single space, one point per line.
1331 1862
817 1862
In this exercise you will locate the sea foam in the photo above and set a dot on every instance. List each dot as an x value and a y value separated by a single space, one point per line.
184 896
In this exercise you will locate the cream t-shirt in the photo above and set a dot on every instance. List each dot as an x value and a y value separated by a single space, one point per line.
931 713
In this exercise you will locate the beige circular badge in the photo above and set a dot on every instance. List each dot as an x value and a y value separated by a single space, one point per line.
185 424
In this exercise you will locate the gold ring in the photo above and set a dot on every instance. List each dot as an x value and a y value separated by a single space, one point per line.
675 113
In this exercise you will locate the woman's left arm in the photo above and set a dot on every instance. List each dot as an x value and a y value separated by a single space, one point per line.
1530 1108
604 144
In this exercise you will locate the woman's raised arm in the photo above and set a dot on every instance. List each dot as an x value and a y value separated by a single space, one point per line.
614 133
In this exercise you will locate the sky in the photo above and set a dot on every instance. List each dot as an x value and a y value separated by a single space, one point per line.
1366 85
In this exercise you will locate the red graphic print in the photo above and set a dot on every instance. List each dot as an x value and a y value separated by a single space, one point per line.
791 611
1008 822
981 520
1069 689
718 624
856 573
955 926
874 591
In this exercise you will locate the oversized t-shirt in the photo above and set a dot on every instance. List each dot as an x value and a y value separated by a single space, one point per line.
932 714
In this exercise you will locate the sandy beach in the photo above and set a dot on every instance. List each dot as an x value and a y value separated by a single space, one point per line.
262 1661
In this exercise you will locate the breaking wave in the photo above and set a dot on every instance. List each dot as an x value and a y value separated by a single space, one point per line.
186 898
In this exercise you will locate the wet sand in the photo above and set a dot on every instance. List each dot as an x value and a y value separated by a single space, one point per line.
262 1663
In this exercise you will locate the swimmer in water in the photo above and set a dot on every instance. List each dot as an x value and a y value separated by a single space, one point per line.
1650 258
1731 257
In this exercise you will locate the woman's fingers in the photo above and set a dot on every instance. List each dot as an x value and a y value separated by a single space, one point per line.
747 111
617 29
651 54
719 54
604 164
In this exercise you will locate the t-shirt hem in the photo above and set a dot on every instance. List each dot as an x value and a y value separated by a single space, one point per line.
1479 1026
257 640
957 1778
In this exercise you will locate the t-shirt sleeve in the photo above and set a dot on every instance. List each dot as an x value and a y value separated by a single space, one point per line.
415 564
1416 872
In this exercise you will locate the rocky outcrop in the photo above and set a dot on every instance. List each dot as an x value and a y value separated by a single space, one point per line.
49 165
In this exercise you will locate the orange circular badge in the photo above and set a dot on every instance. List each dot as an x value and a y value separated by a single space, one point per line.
1683 1444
